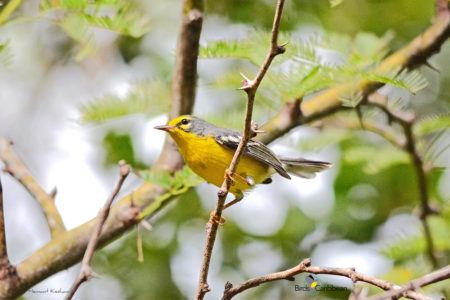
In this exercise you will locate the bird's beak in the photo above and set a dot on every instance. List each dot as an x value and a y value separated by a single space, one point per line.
165 127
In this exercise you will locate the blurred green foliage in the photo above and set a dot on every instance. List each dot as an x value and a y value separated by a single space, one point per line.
375 179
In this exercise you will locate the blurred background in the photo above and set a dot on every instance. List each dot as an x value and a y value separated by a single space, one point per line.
79 94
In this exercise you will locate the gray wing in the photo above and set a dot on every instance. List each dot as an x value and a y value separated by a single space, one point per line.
254 149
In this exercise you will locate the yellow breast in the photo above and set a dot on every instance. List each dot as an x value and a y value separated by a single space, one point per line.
209 160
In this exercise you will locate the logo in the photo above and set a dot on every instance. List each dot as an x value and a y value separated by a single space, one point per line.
313 285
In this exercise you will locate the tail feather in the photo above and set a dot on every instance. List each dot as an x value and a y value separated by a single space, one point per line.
303 167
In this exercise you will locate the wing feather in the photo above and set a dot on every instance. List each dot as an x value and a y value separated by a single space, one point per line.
254 149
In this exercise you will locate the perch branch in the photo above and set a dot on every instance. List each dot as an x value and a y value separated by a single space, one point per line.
250 87
86 271
184 81
410 286
305 266
406 121
15 167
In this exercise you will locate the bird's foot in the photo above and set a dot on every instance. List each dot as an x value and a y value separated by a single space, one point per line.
216 220
249 180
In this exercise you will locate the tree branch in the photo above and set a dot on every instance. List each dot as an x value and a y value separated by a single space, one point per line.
305 266
8 10
184 81
86 271
15 167
250 87
406 121
3 252
296 113
439 275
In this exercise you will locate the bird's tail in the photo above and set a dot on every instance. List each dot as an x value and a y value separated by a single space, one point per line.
303 167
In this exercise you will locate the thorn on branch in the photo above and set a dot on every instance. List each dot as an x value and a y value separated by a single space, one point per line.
280 49
206 288
255 130
228 286
246 83
146 225
53 193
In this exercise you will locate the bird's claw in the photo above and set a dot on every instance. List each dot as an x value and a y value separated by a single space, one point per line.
218 221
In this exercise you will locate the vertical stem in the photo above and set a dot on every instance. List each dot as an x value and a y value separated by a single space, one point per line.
423 190
250 87
3 252
184 81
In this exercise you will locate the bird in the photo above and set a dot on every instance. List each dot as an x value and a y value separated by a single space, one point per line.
208 150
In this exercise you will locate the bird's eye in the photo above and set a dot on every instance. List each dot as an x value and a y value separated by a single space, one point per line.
185 121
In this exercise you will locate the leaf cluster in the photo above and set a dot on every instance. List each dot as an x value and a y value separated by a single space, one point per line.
77 17
314 63
150 98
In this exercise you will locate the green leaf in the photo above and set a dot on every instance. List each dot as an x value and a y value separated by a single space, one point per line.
176 185
77 16
5 53
410 247
162 178
324 139
120 147
334 3
413 81
150 98
431 124
375 159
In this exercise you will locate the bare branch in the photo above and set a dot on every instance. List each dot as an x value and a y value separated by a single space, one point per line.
439 275
406 120
86 271
15 167
184 81
305 266
3 252
250 87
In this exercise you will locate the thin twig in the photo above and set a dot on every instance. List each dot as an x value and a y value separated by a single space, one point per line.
3 252
15 167
305 266
250 87
86 271
406 121
438 275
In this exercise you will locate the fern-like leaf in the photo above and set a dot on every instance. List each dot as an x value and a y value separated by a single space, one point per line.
149 98
431 124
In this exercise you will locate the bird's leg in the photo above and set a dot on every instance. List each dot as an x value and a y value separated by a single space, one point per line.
247 179
236 200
